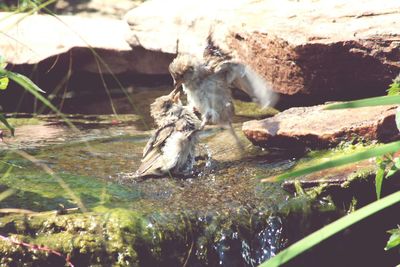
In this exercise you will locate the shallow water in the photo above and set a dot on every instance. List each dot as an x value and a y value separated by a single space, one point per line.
221 215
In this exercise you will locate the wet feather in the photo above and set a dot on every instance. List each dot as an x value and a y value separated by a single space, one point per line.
171 148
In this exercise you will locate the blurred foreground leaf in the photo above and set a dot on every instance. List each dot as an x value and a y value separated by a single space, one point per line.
22 80
331 229
370 153
3 83
368 102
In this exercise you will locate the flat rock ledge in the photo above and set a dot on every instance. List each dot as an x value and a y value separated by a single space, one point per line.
75 41
316 128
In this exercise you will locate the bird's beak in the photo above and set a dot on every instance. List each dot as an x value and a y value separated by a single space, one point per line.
176 97
177 84
176 92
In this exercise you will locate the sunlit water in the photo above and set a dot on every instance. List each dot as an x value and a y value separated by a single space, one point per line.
227 216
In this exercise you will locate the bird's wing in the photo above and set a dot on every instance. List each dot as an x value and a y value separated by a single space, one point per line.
188 124
153 162
244 78
158 138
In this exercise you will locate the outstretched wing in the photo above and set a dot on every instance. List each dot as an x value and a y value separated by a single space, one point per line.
244 78
238 75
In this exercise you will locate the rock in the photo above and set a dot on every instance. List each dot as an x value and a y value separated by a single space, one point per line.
335 178
29 40
341 182
325 50
314 127
95 8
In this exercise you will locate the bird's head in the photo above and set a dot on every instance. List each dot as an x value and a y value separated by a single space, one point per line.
182 69
165 106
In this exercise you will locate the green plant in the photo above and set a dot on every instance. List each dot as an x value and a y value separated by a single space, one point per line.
20 5
4 80
394 240
387 166
333 228
22 80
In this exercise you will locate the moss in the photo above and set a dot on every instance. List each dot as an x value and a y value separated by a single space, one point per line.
87 238
253 110
16 122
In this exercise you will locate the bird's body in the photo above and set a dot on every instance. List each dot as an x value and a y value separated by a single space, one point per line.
207 82
171 149
210 95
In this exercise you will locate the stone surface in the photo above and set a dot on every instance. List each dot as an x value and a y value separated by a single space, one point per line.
313 127
322 49
358 176
336 178
95 8
29 40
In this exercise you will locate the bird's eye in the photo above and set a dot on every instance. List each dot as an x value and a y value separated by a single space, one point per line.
168 105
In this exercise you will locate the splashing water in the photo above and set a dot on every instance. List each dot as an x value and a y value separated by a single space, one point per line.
209 164
266 244
270 241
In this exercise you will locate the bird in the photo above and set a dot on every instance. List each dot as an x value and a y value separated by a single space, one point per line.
171 148
207 83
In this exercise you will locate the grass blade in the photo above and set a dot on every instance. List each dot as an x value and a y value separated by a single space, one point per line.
368 102
380 173
6 194
331 229
373 152
5 122
22 80
32 88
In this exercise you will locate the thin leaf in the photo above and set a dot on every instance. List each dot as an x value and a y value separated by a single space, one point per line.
6 194
392 171
21 80
331 229
3 83
372 152
368 102
5 122
394 239
34 90
380 173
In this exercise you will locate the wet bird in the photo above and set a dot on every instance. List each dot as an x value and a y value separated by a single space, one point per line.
207 82
171 149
